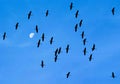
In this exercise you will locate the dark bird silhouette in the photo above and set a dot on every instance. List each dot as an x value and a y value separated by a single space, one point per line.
84 51
67 48
38 44
56 52
55 58
42 64
76 14
43 36
113 11
82 34
4 35
84 41
113 75
93 48
80 24
67 75
36 28
59 51
76 27
29 14
51 40
47 13
16 26
90 58
71 6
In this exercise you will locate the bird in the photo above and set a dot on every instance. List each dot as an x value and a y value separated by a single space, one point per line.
67 75
47 13
36 28
113 11
76 27
93 48
82 34
59 51
42 64
56 52
90 58
71 6
84 51
80 24
55 59
84 41
16 26
38 44
67 48
43 36
51 40
4 35
76 14
29 15
113 75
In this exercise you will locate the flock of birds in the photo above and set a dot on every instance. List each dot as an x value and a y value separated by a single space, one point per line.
58 50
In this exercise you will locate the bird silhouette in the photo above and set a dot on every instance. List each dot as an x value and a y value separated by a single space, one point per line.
59 51
16 26
80 24
4 35
67 48
82 34
47 13
51 40
55 58
67 75
76 27
36 28
113 11
76 14
71 6
84 41
113 75
56 52
29 14
38 44
93 48
43 36
42 63
90 58
84 51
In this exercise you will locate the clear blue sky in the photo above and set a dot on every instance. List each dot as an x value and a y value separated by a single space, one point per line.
20 58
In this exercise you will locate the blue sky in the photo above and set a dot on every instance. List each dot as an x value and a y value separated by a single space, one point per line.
20 58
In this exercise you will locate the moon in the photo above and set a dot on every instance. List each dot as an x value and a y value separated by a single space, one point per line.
31 35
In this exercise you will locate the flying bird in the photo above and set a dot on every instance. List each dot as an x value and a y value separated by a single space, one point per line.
76 27
29 15
93 48
84 41
55 58
76 14
113 75
59 51
84 51
113 11
82 34
56 52
4 35
80 24
36 28
90 58
51 40
38 44
71 6
67 48
67 75
43 36
42 64
47 13
16 26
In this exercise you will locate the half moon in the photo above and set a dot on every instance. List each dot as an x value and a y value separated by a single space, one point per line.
31 35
